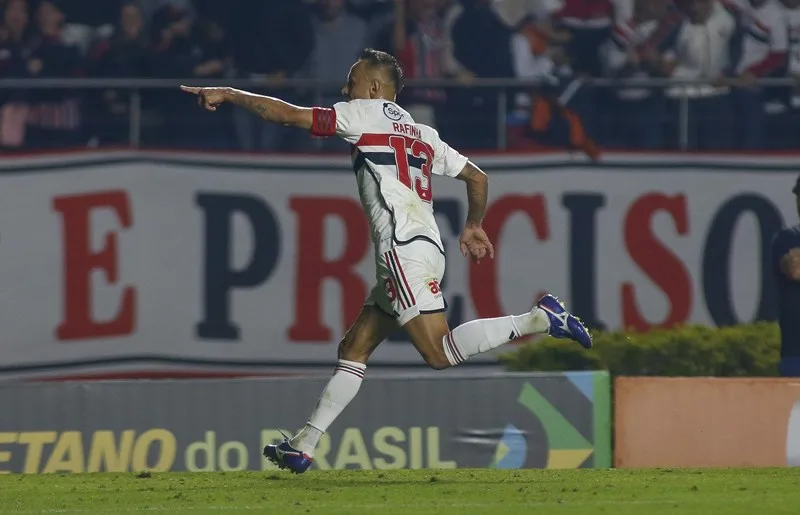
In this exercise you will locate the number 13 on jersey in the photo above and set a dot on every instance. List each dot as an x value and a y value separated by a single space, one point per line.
422 159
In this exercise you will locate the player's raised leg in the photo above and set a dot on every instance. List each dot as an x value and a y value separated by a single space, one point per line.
414 271
370 328
443 348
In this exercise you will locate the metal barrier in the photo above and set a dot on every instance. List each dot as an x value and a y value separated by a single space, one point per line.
503 88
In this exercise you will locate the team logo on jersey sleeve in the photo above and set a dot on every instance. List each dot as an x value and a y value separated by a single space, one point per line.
392 112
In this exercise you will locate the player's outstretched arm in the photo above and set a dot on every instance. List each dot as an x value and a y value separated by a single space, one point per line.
271 109
474 240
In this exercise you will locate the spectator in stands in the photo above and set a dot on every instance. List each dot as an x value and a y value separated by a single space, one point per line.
183 47
449 11
13 104
537 48
86 21
589 24
340 38
700 48
122 54
536 56
13 39
50 57
334 24
377 14
271 41
54 118
417 37
676 13
487 56
637 113
783 109
212 46
172 46
464 106
763 46
554 111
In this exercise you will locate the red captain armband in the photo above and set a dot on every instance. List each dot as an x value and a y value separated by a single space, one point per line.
324 122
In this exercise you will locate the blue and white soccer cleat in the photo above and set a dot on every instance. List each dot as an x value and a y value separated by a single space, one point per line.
564 324
287 457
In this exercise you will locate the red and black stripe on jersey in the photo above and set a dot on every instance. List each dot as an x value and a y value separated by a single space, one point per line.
381 158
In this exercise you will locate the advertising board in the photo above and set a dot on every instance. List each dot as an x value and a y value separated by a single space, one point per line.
509 422
706 422
115 263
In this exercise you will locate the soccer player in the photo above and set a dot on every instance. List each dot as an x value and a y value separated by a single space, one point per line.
394 160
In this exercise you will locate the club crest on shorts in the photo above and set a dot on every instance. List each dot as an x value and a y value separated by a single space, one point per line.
391 292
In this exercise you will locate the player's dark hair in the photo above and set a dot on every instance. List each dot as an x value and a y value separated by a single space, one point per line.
387 62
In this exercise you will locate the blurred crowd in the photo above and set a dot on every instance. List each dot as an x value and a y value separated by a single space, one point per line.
728 45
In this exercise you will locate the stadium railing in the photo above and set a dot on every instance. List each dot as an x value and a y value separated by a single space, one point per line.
504 89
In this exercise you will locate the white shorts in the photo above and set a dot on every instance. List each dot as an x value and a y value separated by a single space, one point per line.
408 279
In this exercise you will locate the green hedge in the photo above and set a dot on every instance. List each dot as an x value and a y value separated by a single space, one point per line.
744 350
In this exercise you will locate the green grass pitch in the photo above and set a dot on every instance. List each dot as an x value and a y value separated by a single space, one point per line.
411 492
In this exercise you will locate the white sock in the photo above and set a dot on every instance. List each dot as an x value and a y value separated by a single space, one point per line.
341 389
485 334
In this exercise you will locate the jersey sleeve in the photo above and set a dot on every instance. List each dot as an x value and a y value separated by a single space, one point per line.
447 161
344 119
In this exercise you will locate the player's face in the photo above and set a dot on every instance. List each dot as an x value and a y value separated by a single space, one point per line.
358 82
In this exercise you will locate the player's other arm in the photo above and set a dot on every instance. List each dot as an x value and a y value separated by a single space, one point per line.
271 109
477 192
474 240
450 163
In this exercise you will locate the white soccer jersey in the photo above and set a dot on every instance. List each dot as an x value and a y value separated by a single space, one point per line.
766 37
394 159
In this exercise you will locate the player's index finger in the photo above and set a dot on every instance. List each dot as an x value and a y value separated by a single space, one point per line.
191 89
